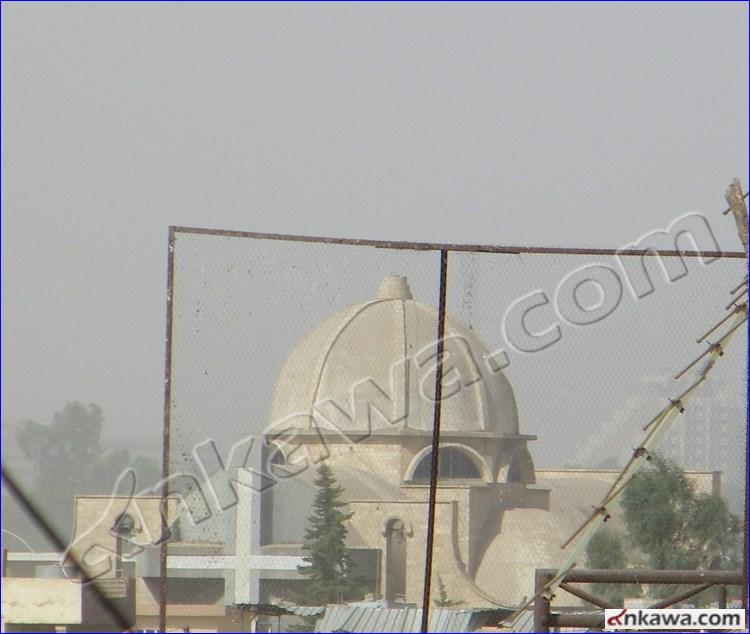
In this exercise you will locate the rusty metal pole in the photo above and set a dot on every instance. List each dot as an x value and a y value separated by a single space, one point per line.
678 598
541 604
648 575
722 596
163 596
435 442
587 596
701 580
480 248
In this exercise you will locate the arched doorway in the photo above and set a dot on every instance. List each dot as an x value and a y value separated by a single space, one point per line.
395 560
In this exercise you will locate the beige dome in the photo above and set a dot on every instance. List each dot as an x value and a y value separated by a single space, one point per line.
389 342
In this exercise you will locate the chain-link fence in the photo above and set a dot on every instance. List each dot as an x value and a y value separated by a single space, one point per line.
288 354
302 487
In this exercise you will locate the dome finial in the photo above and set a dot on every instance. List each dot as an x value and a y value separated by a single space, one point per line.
394 287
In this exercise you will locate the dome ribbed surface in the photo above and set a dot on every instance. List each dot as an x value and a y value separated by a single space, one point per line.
386 349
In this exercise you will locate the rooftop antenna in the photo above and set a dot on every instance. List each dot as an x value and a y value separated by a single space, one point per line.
738 207
657 426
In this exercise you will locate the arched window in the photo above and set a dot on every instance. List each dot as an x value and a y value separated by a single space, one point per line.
395 560
454 464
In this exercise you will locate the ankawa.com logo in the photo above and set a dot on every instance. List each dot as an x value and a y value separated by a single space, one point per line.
671 619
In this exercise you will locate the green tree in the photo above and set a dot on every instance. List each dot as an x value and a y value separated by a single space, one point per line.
68 459
676 527
658 504
328 564
606 551
714 533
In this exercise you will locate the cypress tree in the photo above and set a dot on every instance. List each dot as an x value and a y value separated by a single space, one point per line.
328 563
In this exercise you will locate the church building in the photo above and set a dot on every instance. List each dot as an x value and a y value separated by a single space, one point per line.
358 391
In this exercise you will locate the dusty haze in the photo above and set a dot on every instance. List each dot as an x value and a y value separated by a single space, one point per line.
518 124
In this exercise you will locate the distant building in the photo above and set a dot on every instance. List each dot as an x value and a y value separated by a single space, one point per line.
706 439
706 436
116 539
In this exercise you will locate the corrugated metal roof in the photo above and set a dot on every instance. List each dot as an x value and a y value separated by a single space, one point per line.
301 610
348 618
282 607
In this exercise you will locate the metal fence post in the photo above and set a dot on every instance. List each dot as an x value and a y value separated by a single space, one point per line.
541 604
722 596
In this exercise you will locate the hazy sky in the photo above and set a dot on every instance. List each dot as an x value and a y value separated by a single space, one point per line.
519 124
